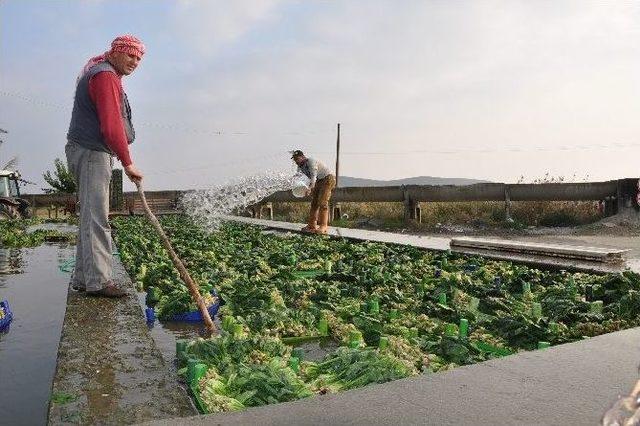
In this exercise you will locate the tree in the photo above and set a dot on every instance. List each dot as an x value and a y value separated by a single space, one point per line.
61 180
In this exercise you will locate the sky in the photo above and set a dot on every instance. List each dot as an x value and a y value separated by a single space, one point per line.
494 90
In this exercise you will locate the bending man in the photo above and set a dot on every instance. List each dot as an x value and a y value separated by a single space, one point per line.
100 129
322 181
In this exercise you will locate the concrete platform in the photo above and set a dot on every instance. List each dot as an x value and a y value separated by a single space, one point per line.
109 365
596 254
426 242
444 243
572 384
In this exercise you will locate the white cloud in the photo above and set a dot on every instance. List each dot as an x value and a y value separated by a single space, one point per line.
211 25
432 75
400 76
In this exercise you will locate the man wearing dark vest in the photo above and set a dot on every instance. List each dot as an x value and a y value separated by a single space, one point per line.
100 128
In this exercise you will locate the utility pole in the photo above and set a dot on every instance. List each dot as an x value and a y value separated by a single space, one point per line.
336 212
338 156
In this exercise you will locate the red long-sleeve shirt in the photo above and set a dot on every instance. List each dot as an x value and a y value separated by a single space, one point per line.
104 90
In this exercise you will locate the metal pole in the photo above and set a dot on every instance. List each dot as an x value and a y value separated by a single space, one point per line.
338 156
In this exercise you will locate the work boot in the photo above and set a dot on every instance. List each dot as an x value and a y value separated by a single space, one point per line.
109 290
79 287
76 283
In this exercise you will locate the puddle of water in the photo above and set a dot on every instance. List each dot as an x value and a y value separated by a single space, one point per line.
37 292
62 227
316 350
165 334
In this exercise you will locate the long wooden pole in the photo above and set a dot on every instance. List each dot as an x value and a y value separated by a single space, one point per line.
338 156
184 274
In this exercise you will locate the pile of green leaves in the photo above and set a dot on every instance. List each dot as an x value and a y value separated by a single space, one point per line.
253 385
350 368
15 234
245 371
249 371
275 287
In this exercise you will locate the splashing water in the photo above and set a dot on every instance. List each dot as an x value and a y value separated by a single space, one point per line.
207 206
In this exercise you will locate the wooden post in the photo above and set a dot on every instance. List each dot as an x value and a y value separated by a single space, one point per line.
627 194
257 211
405 201
619 197
408 206
269 207
417 211
336 211
610 206
507 204
338 156
412 211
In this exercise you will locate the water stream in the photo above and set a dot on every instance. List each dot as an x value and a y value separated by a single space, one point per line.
207 206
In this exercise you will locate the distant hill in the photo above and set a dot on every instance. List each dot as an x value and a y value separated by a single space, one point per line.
418 180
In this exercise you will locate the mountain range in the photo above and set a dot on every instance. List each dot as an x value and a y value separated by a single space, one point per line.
345 181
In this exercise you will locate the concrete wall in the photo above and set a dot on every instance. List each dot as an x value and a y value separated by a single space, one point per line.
584 191
618 193
563 191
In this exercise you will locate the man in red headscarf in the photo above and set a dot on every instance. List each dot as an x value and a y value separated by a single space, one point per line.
100 128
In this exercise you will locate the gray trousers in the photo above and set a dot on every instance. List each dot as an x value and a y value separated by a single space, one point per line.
92 170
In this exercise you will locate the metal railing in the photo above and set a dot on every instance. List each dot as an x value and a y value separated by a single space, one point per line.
615 194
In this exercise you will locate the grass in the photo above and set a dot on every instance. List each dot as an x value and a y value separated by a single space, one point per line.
474 213
61 397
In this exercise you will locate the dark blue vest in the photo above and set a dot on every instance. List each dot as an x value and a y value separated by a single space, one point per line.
85 126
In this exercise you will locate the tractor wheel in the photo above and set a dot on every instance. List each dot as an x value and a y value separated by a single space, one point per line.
8 212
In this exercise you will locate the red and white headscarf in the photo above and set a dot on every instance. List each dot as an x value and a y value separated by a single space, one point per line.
124 43
128 44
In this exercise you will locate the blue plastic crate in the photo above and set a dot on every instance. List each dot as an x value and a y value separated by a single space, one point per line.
196 316
8 315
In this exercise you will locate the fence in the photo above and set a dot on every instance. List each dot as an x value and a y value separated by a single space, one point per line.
616 195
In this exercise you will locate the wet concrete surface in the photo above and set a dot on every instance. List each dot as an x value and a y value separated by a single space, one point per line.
629 242
36 291
626 242
110 365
